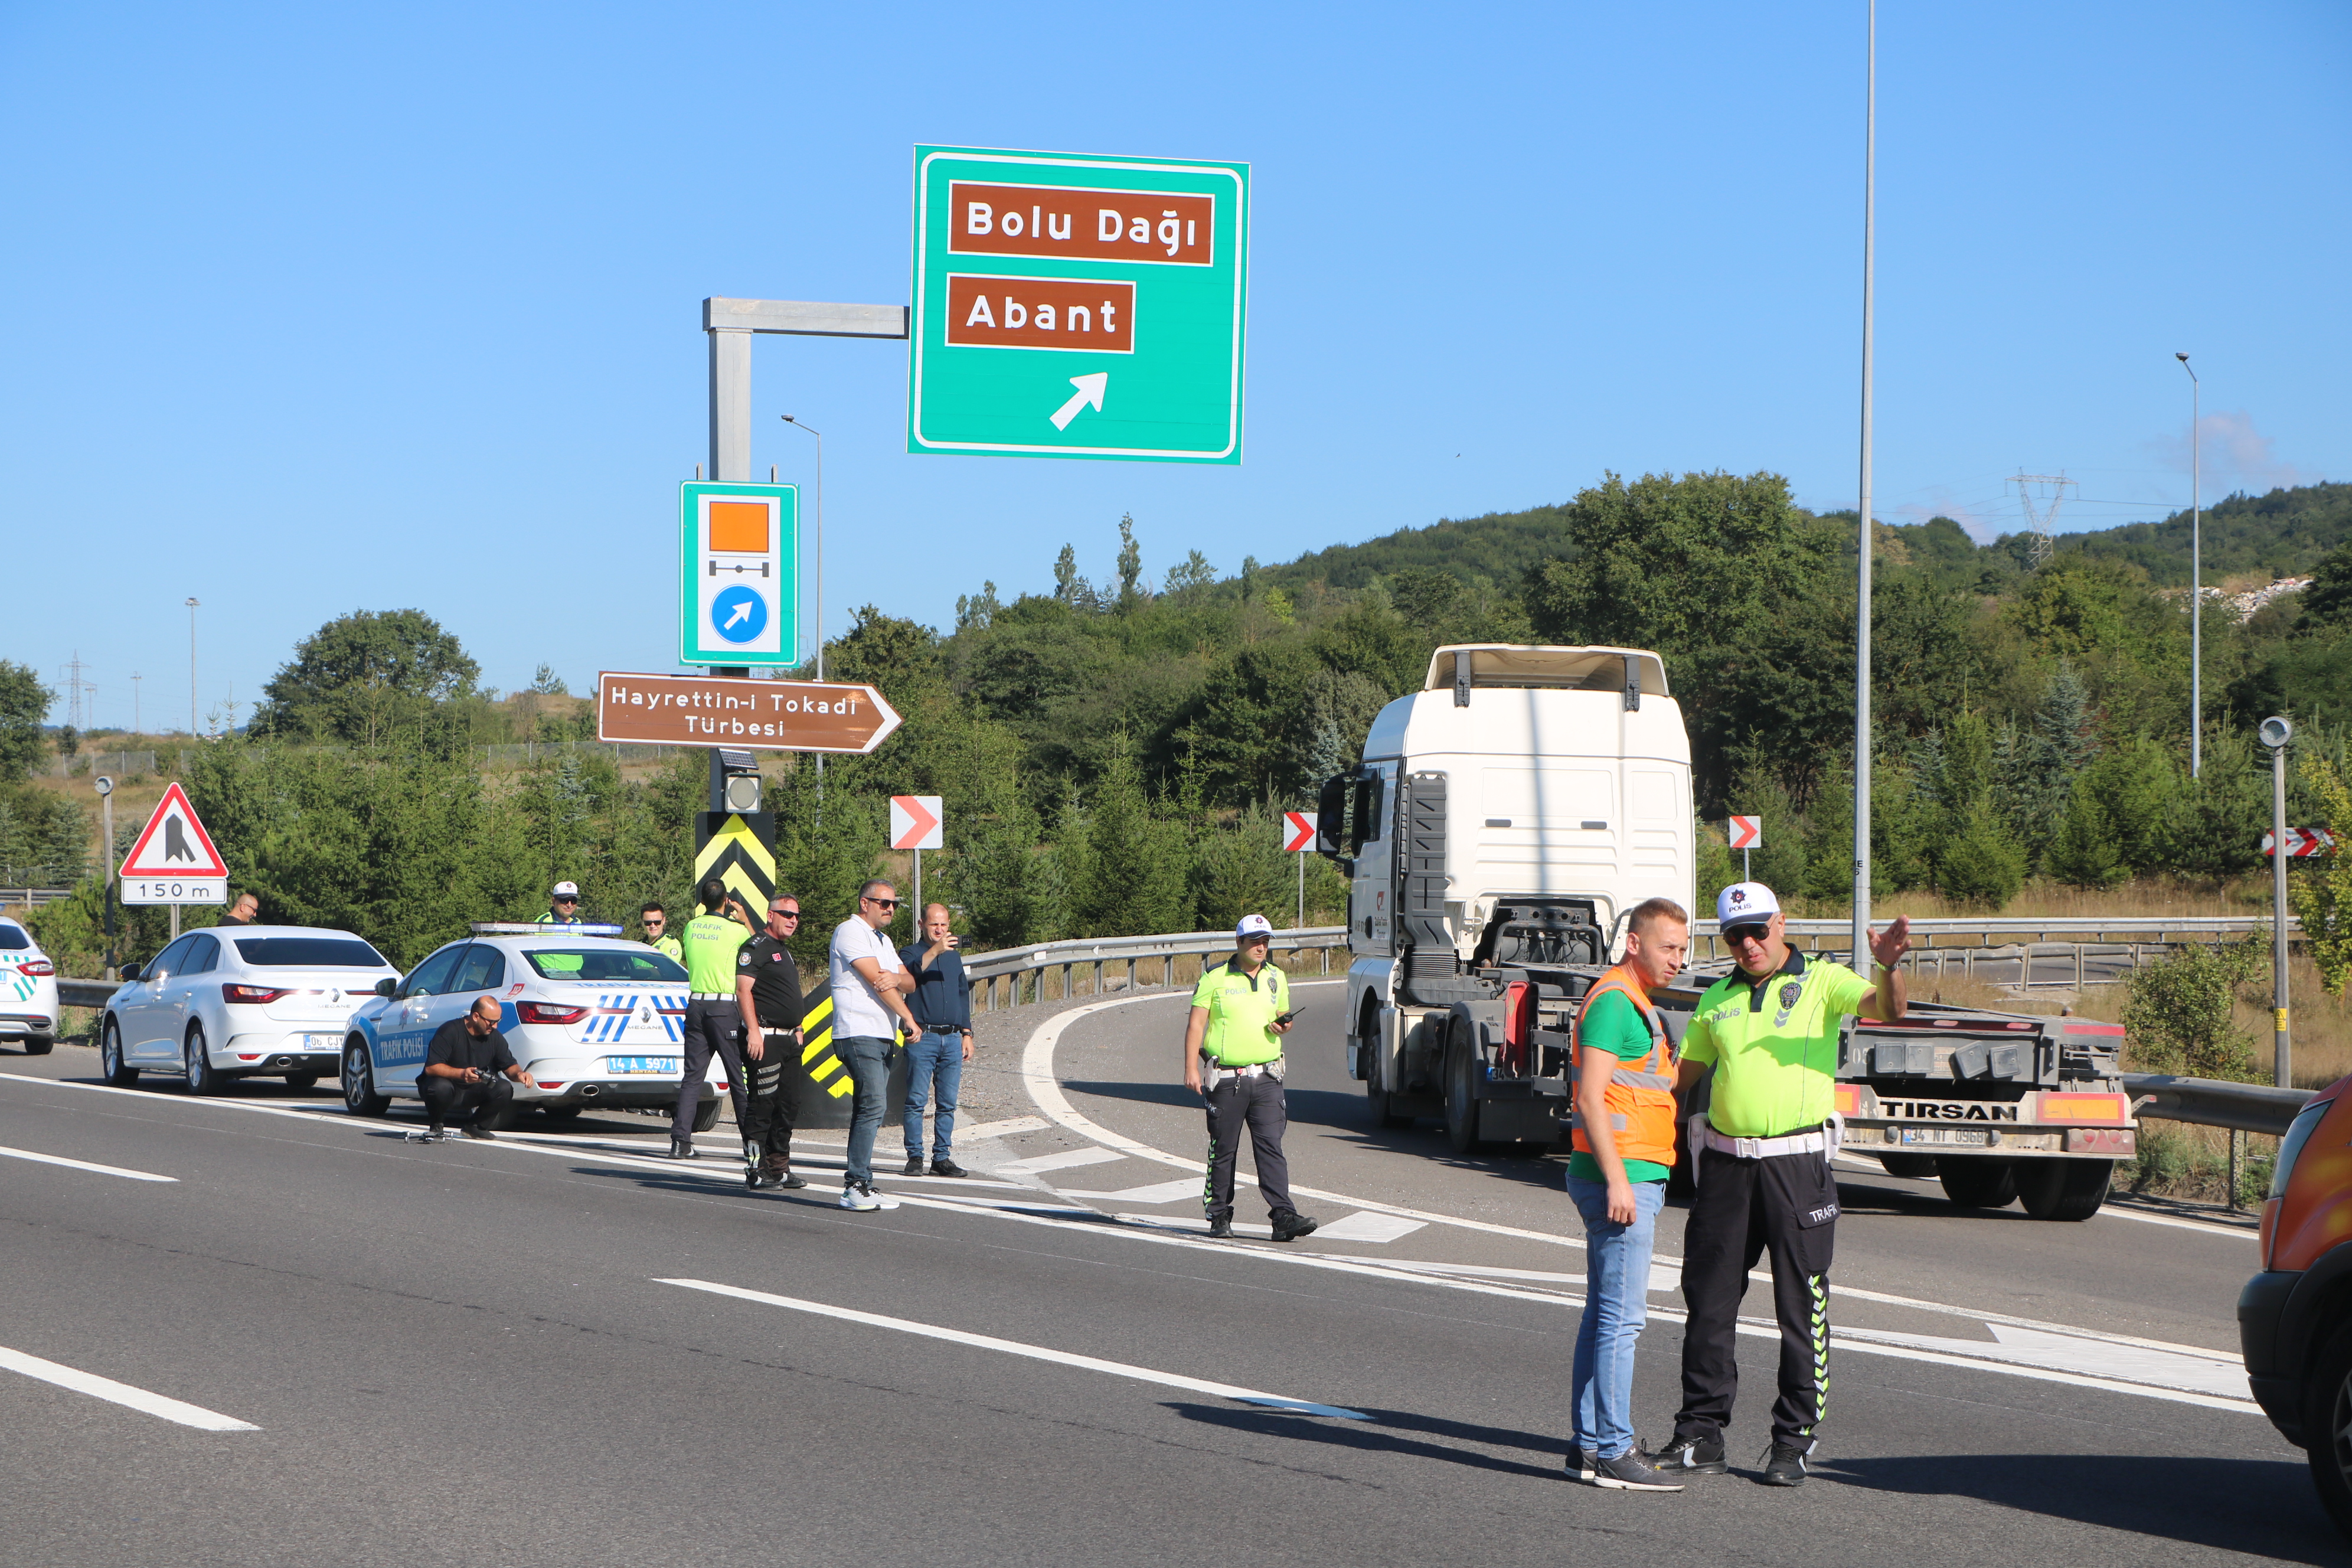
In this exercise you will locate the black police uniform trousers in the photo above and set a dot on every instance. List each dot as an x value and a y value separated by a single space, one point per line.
772 1100
711 1029
444 1096
1786 1205
1254 1102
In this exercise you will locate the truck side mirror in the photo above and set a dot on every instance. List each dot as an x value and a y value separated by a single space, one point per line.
1331 819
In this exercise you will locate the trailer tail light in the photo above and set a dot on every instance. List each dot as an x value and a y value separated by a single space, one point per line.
2120 1142
37 966
1846 1099
252 995
2111 1108
548 1013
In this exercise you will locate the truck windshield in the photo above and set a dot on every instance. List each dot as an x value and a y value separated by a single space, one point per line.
603 963
309 952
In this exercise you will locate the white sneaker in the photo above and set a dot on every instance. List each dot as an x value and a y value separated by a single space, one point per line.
862 1197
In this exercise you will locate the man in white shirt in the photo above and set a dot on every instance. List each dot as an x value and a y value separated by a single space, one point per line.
869 988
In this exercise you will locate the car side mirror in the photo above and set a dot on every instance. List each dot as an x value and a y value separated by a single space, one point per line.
130 972
387 986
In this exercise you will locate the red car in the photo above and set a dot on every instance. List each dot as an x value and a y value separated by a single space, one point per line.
2294 1318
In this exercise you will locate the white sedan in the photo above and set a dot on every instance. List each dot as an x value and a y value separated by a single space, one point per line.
28 991
231 1002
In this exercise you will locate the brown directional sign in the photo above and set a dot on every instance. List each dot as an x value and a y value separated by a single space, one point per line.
729 710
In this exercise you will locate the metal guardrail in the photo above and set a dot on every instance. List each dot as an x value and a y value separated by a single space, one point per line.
1019 973
33 898
2212 1102
85 993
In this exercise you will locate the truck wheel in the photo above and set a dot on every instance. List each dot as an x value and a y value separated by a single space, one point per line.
1378 1100
1461 1098
1914 1167
1976 1182
2064 1189
2326 1413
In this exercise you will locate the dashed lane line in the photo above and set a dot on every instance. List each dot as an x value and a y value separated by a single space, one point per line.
1034 1353
98 1387
85 1165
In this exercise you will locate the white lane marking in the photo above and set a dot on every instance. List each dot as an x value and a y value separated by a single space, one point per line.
1035 1352
98 1387
1159 1193
85 1165
2111 1211
1004 1128
1068 1160
1374 1227
1037 1076
2191 1371
1192 1226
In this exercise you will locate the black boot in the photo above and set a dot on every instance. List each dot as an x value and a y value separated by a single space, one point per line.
681 1149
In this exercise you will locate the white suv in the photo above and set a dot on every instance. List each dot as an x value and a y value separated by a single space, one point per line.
28 991
231 1002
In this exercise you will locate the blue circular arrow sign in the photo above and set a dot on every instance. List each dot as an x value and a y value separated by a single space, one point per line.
739 615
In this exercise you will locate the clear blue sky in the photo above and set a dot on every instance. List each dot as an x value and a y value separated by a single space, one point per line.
307 308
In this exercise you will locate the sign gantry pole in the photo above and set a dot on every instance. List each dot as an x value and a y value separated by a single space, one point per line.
1864 541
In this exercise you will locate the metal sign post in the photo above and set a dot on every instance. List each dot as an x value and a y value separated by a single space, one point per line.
2275 732
1744 834
1299 841
918 822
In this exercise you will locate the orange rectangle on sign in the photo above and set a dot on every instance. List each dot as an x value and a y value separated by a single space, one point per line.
2084 1108
1040 313
740 525
1847 1097
1081 225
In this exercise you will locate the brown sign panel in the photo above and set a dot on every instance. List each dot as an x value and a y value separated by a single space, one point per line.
1041 313
1080 224
731 710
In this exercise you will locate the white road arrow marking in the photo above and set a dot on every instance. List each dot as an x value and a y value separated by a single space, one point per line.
1090 392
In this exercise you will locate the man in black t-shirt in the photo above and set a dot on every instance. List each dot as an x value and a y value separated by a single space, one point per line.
468 1063
767 995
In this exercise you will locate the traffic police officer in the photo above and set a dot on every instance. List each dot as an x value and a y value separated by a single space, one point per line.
656 922
712 1020
1233 1059
767 995
1762 1153
563 905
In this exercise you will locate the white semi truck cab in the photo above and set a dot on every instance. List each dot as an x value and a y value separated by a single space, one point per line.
1503 822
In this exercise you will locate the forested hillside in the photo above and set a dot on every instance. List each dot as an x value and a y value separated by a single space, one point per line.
1115 756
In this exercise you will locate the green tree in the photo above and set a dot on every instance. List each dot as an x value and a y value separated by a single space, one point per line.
2086 851
2322 892
364 677
24 708
1131 592
1135 864
2218 819
2178 1011
1424 595
1239 867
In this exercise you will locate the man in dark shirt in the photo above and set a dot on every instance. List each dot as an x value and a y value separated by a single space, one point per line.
768 993
468 1063
245 912
942 1005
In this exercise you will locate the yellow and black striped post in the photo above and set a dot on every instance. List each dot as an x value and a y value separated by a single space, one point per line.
738 848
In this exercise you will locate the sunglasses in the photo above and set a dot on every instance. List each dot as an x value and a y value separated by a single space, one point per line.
656 924
785 914
886 903
1736 934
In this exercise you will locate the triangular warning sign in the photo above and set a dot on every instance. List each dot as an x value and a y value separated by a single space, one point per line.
174 844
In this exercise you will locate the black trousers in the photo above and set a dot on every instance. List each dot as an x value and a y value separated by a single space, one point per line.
489 1098
1786 1205
1256 1103
773 1102
711 1029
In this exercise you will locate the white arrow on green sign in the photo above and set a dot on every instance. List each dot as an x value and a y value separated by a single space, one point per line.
1068 306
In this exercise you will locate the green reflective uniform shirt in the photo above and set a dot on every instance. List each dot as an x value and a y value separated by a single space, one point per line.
1241 1012
710 944
1774 1044
668 948
1614 1024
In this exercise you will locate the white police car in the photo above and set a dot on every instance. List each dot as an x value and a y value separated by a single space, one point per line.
599 1022
28 991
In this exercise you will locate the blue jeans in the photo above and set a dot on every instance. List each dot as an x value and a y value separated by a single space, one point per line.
1616 1305
937 1058
868 1061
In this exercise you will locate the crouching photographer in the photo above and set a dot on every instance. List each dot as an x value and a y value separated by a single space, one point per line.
469 1065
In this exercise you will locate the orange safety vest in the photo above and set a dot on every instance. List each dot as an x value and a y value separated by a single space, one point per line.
1641 1099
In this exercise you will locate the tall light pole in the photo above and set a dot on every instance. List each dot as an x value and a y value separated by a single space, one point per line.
819 574
1862 577
191 667
2196 584
135 727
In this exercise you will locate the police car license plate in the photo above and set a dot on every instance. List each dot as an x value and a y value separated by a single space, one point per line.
1965 1137
643 1063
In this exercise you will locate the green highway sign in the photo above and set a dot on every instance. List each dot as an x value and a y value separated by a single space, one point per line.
1068 306
739 575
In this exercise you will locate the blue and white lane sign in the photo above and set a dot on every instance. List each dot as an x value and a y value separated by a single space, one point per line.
739 615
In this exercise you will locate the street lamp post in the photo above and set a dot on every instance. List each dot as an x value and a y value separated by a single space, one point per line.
192 667
2196 583
1861 580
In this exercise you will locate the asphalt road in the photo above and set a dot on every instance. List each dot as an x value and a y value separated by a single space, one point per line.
513 1353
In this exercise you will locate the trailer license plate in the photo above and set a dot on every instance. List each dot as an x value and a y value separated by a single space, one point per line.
642 1064
1965 1137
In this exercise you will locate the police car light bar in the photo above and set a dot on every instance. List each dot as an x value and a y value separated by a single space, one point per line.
533 928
